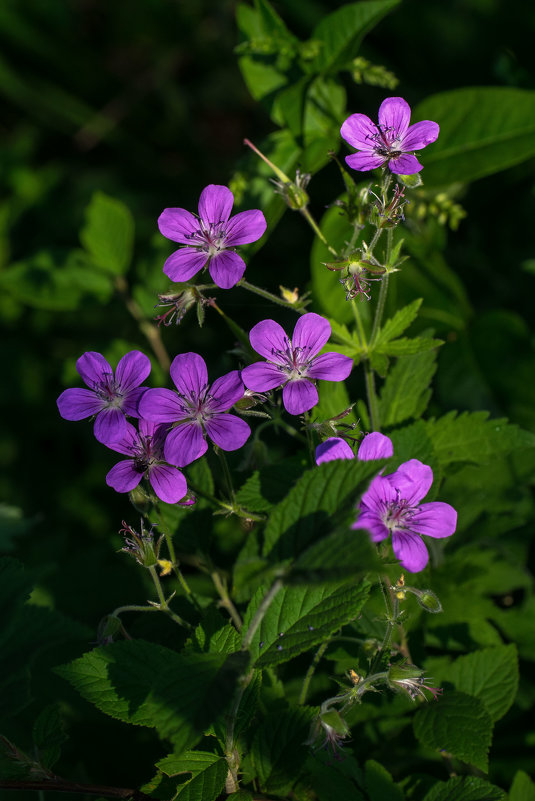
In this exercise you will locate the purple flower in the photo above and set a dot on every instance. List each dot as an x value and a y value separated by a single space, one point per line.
294 362
373 446
196 406
145 449
210 237
391 504
391 141
109 397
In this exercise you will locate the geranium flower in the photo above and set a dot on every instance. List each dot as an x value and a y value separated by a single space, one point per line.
198 408
391 504
210 237
294 362
146 451
109 397
373 446
391 141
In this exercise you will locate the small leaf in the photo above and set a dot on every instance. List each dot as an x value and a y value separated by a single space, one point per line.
48 735
522 789
398 323
209 773
108 233
405 392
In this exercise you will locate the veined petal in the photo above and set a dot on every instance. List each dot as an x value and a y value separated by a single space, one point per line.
184 444
168 483
123 477
310 334
360 132
178 225
215 203
128 443
262 376
299 396
410 549
378 495
420 135
435 519
333 448
189 373
77 404
130 404
226 391
394 116
94 369
331 367
227 431
375 446
183 264
245 227
405 165
226 269
413 481
371 522
110 425
147 427
269 338
132 370
365 161
161 406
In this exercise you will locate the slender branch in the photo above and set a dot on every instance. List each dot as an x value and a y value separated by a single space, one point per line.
317 230
311 670
163 605
226 600
58 785
263 293
260 612
150 331
373 404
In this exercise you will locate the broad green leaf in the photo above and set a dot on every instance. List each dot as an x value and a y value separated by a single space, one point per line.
406 392
490 675
380 784
340 555
300 617
330 778
108 234
278 748
269 485
465 788
209 773
457 723
397 324
482 130
522 788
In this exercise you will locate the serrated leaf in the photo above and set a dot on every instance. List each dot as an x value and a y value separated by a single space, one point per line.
457 723
522 789
490 675
279 746
341 554
405 392
465 788
380 784
108 233
269 485
397 324
48 735
209 773
406 346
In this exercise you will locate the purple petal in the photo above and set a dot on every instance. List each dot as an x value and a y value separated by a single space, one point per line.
77 404
378 495
420 135
394 116
110 425
435 519
168 483
405 165
371 522
360 132
128 443
183 264
413 481
227 431
178 225
226 391
269 339
161 406
226 269
375 446
188 371
333 448
410 550
215 204
245 227
365 161
311 332
123 477
147 428
299 396
331 367
132 370
184 444
94 369
262 376
130 404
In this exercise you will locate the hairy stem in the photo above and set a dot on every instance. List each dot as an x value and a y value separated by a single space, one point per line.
263 293
311 670
226 601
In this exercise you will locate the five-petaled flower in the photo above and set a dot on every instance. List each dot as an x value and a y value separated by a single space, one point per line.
196 406
210 237
391 141
373 446
110 397
391 504
294 362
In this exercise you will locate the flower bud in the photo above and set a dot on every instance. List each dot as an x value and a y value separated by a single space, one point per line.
142 547
410 679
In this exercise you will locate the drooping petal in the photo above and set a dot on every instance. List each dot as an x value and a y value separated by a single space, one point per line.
132 370
405 165
435 519
310 334
226 269
184 444
299 396
371 522
333 448
161 406
215 203
77 404
183 264
410 549
331 367
130 404
269 339
262 376
413 481
128 443
420 135
375 446
394 116
227 431
123 477
226 391
178 225
168 483
365 161
110 425
189 373
94 369
360 132
245 227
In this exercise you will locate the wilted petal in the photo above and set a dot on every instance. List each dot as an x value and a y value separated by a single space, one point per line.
299 396
372 523
128 443
394 116
215 203
269 339
184 444
311 332
375 446
245 227
227 431
435 519
226 391
123 477
405 165
420 135
360 132
77 404
130 404
413 481
333 448
226 269
365 161
110 425
262 376
178 225
188 371
168 483
161 406
183 264
94 369
331 367
132 370
410 550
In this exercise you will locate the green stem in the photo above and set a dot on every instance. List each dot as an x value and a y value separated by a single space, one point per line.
263 293
315 227
226 601
373 403
360 327
260 612
380 307
133 608
311 670
163 605
231 754
235 509
226 475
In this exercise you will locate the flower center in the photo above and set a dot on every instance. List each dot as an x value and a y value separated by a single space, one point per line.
210 237
386 143
197 407
397 514
107 390
295 360
148 452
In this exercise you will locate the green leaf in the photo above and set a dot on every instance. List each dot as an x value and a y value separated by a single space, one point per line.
278 747
491 675
397 324
482 130
300 617
405 393
269 485
406 346
48 735
340 555
380 784
465 788
457 723
108 234
522 789
209 773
